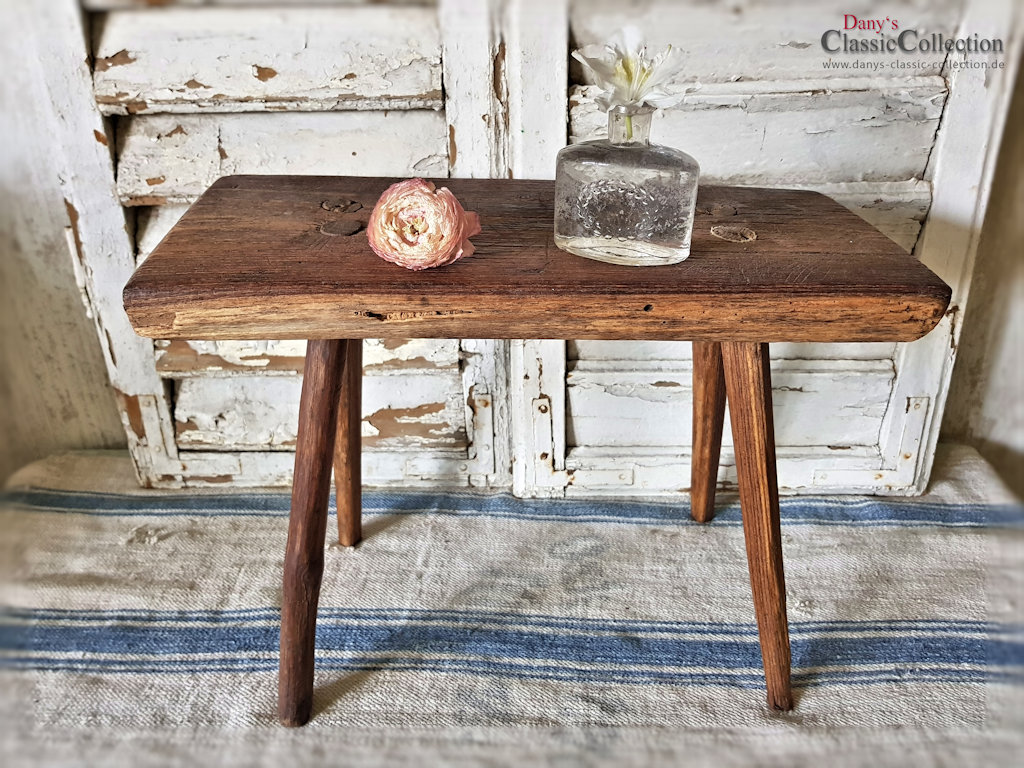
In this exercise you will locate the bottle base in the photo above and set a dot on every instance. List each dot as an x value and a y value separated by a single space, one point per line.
630 253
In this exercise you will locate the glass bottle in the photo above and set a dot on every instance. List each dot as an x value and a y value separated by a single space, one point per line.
624 200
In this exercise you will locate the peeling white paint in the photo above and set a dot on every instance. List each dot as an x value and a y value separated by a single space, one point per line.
158 163
763 139
751 41
258 413
252 59
817 402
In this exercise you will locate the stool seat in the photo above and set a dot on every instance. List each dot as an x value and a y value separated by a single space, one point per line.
256 258
286 257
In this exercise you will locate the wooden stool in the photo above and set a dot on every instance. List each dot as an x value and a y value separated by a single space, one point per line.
259 257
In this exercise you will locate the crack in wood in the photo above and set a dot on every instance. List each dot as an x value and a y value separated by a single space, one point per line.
414 315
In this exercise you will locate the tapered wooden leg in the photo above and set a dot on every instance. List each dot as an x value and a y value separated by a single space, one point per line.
347 470
748 383
307 528
708 419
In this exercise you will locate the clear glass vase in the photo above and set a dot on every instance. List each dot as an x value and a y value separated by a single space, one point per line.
624 200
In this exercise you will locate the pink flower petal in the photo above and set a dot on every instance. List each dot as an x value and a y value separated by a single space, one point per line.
417 226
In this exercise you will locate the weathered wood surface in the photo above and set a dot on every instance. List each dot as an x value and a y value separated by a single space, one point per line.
815 273
175 158
307 529
254 59
648 403
708 419
749 42
424 410
749 386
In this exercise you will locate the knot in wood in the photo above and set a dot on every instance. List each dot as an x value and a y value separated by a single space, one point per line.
734 234
341 206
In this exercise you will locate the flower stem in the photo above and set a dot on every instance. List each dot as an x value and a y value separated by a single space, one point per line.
629 127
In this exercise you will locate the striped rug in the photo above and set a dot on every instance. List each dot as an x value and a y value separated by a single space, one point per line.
141 628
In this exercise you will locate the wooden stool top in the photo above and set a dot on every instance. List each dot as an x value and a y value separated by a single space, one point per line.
268 257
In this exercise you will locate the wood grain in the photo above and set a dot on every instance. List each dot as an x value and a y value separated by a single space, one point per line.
347 447
708 420
749 387
307 528
249 261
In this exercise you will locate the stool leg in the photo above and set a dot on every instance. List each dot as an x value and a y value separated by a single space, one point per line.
307 528
748 382
708 419
347 469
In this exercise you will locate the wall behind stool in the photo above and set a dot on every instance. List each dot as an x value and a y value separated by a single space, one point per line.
54 393
985 407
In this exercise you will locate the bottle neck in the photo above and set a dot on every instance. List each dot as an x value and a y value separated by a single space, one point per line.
629 128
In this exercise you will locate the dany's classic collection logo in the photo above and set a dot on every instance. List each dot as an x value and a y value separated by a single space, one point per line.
888 37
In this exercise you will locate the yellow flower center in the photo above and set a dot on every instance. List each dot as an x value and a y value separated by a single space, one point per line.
414 228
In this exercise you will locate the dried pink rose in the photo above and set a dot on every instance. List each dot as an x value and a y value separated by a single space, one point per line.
416 227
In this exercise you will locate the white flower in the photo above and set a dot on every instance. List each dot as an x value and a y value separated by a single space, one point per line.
629 78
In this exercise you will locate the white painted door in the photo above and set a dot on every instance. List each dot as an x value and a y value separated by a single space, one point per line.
166 100
150 105
912 154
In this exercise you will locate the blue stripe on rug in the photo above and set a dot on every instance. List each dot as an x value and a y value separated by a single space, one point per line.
545 621
859 511
543 647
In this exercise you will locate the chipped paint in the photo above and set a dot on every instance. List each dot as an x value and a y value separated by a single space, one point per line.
453 150
397 365
263 73
390 143
259 413
407 423
76 233
178 357
131 409
389 58
119 59
902 121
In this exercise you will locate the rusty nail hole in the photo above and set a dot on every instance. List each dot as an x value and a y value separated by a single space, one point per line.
543 409
544 456
344 227
734 234
648 307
